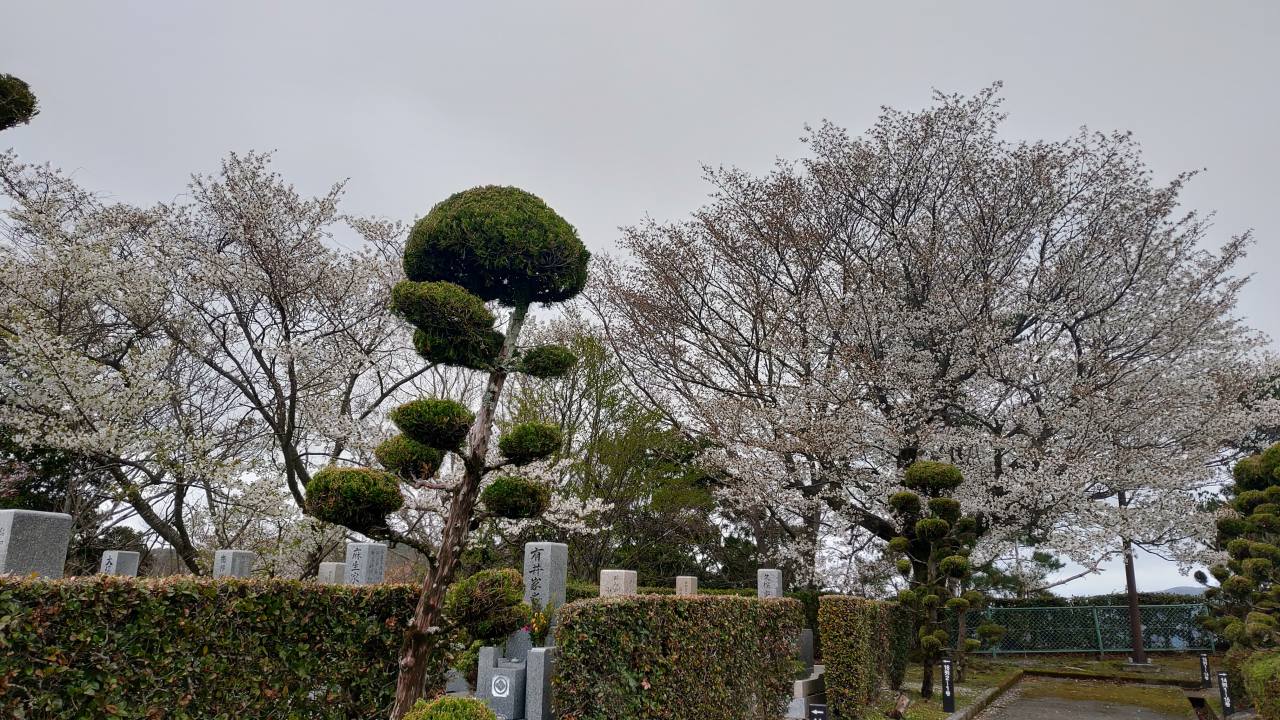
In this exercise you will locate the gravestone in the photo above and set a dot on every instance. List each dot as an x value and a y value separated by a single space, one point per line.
615 583
331 573
806 652
546 570
948 686
769 583
119 562
33 542
366 563
233 563
686 585
165 561
501 684
539 669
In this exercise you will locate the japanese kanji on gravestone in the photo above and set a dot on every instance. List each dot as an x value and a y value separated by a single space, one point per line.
769 583
33 542
366 563
546 568
686 585
617 582
233 563
331 573
119 562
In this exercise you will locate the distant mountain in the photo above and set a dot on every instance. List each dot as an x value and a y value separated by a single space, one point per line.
1185 590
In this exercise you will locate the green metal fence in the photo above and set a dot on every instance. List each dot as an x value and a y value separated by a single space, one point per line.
1102 629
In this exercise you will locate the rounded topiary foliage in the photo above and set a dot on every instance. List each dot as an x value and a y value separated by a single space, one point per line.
932 528
530 441
407 457
516 498
354 497
450 708
956 566
930 476
946 508
453 326
488 605
547 361
441 424
905 503
500 243
17 102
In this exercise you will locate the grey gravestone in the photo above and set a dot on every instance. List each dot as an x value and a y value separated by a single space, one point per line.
331 573
806 651
500 684
119 562
539 670
165 561
519 643
366 563
546 568
769 583
233 563
33 542
617 582
686 585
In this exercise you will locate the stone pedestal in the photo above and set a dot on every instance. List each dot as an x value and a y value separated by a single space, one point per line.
615 583
119 562
34 542
501 685
539 670
769 583
366 563
331 573
686 585
233 563
805 693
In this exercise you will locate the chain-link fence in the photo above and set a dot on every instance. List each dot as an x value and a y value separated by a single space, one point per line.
1093 629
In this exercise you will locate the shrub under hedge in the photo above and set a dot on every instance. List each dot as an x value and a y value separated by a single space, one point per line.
198 648
865 645
678 658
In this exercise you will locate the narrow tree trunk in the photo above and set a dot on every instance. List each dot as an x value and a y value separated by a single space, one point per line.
424 631
1135 615
959 650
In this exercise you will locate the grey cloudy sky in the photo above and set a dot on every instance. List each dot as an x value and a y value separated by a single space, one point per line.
608 109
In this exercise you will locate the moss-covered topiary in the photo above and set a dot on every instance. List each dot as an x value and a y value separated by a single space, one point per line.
932 528
358 498
932 477
956 566
500 243
530 441
453 326
905 503
451 708
441 424
946 508
516 498
547 361
407 457
17 103
488 605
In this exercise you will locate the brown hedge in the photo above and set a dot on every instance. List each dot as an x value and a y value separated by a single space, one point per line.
198 648
676 658
865 646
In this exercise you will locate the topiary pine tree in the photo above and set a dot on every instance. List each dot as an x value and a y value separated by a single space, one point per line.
1245 607
485 245
17 102
934 549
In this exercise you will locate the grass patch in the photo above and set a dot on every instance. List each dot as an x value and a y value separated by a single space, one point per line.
1166 700
982 676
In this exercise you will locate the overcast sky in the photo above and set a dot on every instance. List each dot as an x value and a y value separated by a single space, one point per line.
609 109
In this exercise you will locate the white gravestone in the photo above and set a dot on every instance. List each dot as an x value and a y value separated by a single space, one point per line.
769 583
331 573
366 563
233 563
33 542
119 562
686 585
617 582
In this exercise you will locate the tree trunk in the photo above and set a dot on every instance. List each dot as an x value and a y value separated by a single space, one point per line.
961 655
1135 615
424 631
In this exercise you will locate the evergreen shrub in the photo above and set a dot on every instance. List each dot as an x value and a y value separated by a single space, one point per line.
865 643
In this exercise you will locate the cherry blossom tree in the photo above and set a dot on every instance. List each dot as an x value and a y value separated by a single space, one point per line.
1040 314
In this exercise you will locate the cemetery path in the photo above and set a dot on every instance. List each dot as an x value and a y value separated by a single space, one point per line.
1080 700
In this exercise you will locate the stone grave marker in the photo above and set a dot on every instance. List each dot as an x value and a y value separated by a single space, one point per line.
546 570
501 684
769 583
233 563
331 573
539 669
33 542
806 651
119 562
686 585
366 563
614 583
165 561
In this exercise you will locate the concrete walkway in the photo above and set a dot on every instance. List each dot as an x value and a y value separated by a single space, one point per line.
1068 700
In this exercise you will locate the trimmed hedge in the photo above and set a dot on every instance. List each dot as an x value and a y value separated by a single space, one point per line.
677 658
196 648
1262 683
865 645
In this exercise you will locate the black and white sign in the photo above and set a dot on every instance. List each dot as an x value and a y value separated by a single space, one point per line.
1206 680
948 687
1224 689
817 712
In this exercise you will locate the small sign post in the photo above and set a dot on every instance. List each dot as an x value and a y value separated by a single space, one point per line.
948 687
1206 680
1224 689
817 711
